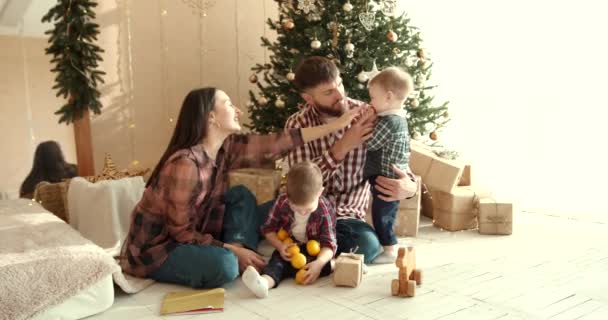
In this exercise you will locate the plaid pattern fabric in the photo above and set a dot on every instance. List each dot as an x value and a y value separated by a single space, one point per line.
343 181
389 145
187 204
321 224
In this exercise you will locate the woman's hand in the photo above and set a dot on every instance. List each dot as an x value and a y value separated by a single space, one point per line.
352 115
247 258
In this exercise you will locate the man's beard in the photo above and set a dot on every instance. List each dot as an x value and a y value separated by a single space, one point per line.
336 110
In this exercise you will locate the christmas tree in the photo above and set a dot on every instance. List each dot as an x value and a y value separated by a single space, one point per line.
360 36
76 57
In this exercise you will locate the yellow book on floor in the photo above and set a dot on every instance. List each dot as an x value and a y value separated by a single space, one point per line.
191 302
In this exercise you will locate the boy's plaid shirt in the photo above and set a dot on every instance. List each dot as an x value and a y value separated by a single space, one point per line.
321 225
389 145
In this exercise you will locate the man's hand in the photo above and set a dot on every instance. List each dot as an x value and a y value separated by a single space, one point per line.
396 189
356 135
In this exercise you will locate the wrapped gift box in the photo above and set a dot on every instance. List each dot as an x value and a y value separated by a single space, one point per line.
348 271
263 183
495 217
456 210
437 173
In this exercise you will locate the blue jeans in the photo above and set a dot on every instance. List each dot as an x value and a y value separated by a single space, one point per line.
357 234
383 216
200 266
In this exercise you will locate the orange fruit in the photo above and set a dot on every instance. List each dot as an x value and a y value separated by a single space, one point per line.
288 241
298 261
282 234
313 247
300 276
293 250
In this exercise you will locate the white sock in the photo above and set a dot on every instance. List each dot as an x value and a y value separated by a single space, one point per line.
386 257
255 282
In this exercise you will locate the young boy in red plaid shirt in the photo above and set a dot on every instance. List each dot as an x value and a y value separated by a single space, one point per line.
306 215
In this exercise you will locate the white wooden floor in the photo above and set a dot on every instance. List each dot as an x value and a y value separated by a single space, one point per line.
550 268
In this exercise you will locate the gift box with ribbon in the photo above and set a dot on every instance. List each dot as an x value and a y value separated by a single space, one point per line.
348 271
495 217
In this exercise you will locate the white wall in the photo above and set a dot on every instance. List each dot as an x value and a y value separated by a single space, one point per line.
526 82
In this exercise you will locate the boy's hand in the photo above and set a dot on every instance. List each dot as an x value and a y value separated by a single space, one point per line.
283 251
313 270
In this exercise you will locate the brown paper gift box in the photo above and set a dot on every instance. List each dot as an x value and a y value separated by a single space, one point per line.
348 271
408 216
437 173
495 217
455 211
263 183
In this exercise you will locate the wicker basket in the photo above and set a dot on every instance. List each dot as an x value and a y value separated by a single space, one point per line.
53 197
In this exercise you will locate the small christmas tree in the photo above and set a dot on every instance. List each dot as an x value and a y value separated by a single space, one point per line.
360 36
75 57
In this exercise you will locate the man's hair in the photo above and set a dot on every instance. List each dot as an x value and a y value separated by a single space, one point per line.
304 181
313 71
394 79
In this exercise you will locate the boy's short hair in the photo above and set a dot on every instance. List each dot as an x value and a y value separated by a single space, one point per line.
394 79
304 181
313 71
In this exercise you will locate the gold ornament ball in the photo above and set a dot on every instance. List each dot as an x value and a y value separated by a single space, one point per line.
391 36
446 115
279 103
315 44
421 54
422 64
262 100
288 24
291 76
253 78
433 136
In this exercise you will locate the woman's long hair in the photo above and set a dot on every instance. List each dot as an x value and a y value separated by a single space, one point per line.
191 126
49 165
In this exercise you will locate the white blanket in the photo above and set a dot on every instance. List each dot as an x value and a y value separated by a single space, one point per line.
101 213
43 261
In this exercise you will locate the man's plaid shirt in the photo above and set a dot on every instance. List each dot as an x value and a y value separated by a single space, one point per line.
389 145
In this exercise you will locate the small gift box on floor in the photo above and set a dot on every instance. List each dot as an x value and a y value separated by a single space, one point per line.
495 217
437 173
263 183
348 271
455 211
